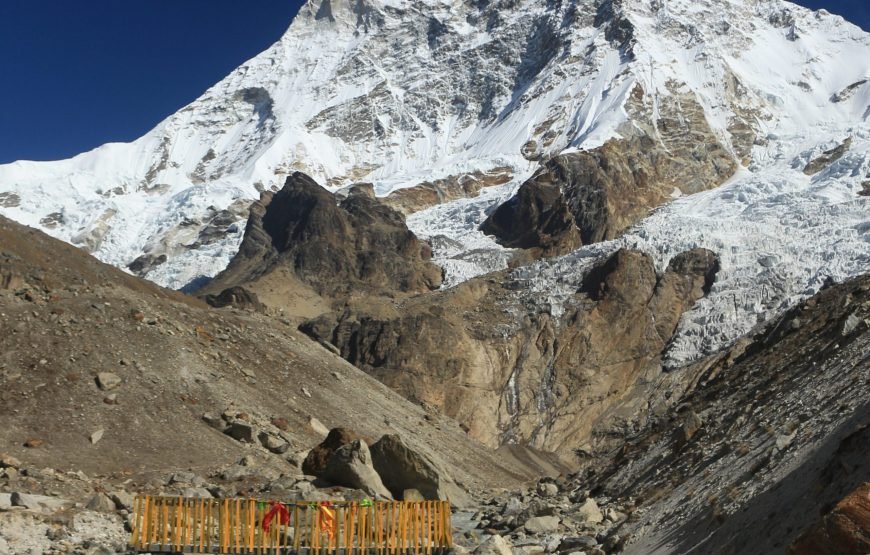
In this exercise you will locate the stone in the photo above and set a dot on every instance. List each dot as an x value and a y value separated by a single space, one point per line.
97 436
852 322
547 489
5 502
240 431
589 512
8 461
39 502
236 297
33 443
235 473
296 459
404 468
273 443
214 421
574 543
182 478
317 426
281 423
108 380
537 217
123 500
691 424
513 507
111 399
495 545
315 462
359 242
351 466
541 524
304 487
101 503
412 494
784 440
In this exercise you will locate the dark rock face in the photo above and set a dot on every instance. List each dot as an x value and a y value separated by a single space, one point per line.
359 244
537 217
237 297
317 459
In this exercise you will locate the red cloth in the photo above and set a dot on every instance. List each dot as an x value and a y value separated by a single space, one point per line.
279 510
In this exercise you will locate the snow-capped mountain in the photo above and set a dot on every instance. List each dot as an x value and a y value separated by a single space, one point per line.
397 92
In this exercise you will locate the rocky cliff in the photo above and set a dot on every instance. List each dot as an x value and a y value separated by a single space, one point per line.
515 376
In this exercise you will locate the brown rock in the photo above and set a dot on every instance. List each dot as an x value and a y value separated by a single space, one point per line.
33 443
316 460
360 243
537 217
350 465
281 423
108 380
8 461
607 189
403 468
843 531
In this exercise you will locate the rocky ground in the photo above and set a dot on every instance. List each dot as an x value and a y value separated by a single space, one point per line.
111 384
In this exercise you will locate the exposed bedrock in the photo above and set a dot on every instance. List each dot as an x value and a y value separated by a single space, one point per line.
357 244
479 355
610 188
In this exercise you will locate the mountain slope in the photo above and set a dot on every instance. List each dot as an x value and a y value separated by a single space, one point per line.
67 320
397 92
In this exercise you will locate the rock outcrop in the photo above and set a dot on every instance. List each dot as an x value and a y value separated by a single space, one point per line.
237 297
609 188
357 244
539 379
536 218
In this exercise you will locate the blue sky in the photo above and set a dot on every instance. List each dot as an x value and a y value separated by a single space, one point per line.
80 73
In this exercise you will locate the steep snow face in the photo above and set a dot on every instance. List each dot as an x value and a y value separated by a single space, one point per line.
391 92
801 78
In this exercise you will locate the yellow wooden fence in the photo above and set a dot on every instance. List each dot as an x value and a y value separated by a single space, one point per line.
253 527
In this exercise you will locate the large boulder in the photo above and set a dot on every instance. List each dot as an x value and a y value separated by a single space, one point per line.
403 468
315 462
351 466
